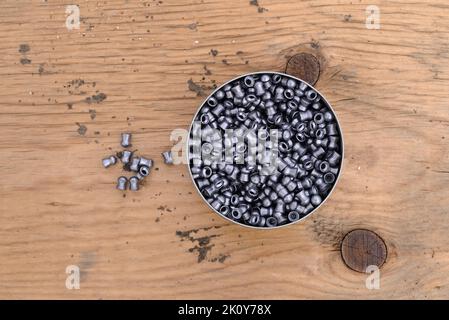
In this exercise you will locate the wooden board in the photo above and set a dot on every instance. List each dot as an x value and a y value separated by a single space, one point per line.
134 59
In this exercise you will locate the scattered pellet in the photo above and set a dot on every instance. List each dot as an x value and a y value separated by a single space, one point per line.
168 157
122 183
135 164
109 161
146 162
126 156
144 171
134 183
126 140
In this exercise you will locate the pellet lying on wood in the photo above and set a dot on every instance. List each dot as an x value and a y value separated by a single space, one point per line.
145 162
109 161
126 140
135 164
168 157
144 171
309 149
122 183
126 156
134 183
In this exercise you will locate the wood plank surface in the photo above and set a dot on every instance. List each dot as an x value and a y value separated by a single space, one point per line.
143 66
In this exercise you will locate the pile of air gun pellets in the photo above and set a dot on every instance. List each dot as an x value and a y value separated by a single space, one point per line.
309 149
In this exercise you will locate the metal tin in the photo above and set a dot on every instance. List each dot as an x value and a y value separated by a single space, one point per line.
330 109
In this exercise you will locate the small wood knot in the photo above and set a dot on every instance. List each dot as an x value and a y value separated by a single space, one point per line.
304 66
361 248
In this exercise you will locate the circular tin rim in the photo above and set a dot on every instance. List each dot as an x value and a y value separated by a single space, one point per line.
336 180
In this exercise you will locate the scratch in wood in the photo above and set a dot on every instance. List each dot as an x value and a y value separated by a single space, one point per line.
333 75
60 204
440 171
345 99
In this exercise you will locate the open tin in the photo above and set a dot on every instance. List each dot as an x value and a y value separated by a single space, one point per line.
256 75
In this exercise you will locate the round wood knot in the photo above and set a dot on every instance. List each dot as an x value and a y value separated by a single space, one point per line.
304 66
361 248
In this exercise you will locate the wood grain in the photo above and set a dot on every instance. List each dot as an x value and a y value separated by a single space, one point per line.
142 66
